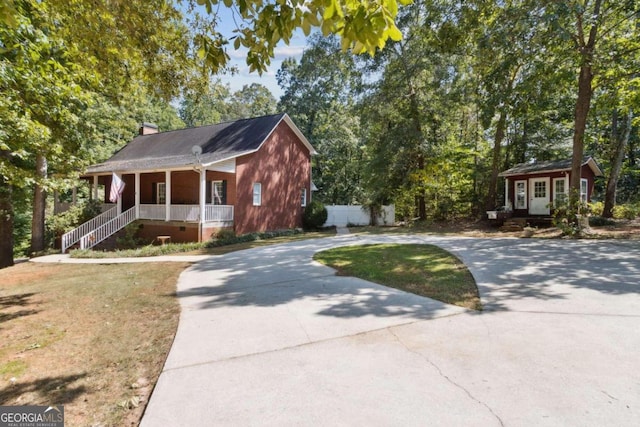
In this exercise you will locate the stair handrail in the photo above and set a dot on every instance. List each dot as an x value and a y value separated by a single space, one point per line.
108 229
72 237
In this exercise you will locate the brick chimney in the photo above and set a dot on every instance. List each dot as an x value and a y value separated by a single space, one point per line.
148 128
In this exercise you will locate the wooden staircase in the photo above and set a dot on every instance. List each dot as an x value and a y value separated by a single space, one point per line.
514 224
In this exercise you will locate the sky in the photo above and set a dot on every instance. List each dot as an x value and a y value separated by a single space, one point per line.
238 57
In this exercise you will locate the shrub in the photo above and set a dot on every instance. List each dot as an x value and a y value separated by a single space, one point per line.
626 211
314 216
570 217
225 234
596 208
229 237
598 221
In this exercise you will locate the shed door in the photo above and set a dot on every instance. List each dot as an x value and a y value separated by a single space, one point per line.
539 197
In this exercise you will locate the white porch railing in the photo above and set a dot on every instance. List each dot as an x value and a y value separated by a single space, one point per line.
72 237
218 213
189 213
153 212
96 236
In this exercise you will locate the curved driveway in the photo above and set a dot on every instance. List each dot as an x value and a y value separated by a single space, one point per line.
267 336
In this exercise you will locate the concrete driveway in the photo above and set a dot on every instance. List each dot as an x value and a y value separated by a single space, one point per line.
269 337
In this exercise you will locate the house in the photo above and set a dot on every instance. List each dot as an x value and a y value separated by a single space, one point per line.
531 189
184 185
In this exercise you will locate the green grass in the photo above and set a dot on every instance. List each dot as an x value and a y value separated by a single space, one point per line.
424 270
80 335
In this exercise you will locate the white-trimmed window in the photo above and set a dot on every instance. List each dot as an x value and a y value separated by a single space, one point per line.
521 194
584 185
217 193
559 191
303 197
161 193
257 194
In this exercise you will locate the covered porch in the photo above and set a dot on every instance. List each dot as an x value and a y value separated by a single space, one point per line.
194 195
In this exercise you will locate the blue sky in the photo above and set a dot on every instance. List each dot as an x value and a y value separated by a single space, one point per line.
238 57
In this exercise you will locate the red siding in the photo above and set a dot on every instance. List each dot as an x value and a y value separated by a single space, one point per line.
282 166
586 172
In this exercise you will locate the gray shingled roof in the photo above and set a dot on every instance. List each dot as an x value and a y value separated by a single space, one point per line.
173 149
557 165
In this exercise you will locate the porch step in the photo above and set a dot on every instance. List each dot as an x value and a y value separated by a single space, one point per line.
514 224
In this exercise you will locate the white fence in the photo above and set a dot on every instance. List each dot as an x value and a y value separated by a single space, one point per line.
341 215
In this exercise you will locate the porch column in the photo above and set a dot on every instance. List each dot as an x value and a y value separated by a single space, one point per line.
167 180
137 185
119 202
506 192
203 196
95 188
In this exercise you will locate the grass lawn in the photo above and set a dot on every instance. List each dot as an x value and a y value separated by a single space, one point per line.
93 338
424 270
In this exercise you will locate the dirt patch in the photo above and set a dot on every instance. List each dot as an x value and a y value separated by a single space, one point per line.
93 338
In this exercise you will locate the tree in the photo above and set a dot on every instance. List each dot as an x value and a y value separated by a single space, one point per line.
363 26
53 69
318 95
252 101
600 36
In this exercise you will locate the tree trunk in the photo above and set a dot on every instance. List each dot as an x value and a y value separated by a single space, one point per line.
6 224
583 103
620 142
39 206
495 164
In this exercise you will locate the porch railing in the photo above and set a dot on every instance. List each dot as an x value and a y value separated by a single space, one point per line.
106 230
72 237
189 213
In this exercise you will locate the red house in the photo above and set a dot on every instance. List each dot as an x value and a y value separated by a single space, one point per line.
531 189
184 185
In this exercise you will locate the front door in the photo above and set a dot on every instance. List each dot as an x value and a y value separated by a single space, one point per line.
539 196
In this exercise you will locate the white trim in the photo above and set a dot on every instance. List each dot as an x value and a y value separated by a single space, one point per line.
303 197
137 196
203 197
539 210
167 196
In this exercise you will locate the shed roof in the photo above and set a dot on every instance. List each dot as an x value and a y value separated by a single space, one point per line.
173 149
550 166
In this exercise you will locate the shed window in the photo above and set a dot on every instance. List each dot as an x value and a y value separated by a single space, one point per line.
584 184
521 194
257 194
559 191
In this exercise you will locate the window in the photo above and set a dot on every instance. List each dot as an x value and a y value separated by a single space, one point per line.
303 197
521 195
559 191
219 192
257 194
584 184
539 189
161 193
